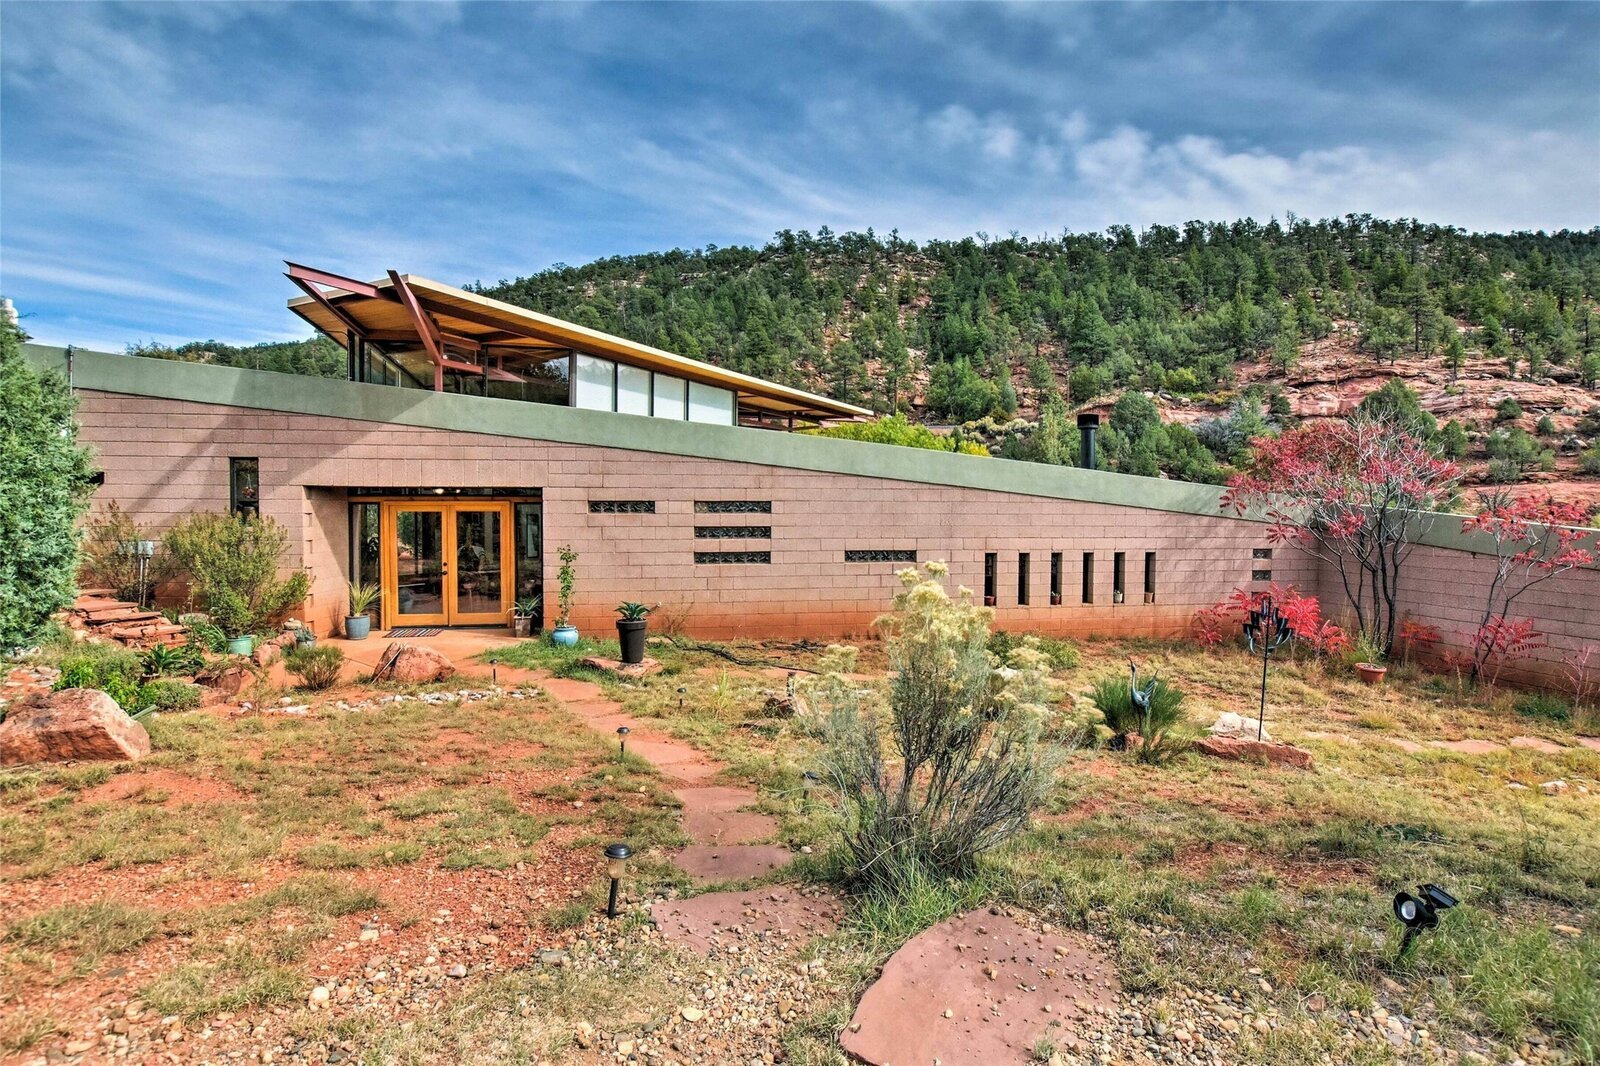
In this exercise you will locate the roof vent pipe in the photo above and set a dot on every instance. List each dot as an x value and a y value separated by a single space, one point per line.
1088 429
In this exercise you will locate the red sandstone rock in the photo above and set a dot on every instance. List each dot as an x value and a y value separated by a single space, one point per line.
270 651
718 918
226 678
75 723
1244 750
412 664
975 989
710 863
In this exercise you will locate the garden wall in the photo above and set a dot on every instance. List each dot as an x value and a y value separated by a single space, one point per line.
163 458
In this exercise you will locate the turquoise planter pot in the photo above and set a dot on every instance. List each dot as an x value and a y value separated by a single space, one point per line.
565 636
241 645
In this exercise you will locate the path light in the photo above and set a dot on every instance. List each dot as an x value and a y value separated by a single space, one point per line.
617 856
808 782
1266 630
494 674
682 691
1417 913
622 740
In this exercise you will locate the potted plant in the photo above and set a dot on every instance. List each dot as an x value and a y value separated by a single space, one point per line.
631 626
358 623
1368 661
566 634
522 614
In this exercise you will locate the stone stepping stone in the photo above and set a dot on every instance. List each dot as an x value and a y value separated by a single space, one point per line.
1404 745
974 989
570 690
720 919
712 863
715 815
1538 744
1469 747
1592 743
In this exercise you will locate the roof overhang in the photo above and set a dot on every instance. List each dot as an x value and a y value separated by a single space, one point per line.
466 332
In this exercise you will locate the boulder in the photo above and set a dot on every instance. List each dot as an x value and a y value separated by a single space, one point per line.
1237 725
226 678
412 664
270 651
1250 750
75 723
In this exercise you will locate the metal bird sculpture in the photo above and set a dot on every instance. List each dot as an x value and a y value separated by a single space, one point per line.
1141 696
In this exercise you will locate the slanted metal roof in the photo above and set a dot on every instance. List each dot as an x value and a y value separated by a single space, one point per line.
466 332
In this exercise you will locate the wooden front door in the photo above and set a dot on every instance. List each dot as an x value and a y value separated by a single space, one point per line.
446 563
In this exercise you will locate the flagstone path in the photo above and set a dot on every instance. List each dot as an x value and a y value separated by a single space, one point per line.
725 834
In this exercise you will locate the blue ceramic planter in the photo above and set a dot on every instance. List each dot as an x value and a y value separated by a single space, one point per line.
565 636
241 645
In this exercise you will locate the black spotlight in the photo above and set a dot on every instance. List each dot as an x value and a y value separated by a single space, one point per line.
1417 913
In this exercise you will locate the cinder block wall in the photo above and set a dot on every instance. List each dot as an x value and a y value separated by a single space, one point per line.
163 458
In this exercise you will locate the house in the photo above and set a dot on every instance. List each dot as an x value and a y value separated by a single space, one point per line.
474 438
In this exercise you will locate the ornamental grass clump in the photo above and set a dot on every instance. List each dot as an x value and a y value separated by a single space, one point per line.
317 667
1152 711
966 763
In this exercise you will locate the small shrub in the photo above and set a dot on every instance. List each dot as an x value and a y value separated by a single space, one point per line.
1543 705
1062 654
164 659
1155 724
107 565
204 633
170 694
1509 410
970 766
232 561
316 667
1546 427
100 665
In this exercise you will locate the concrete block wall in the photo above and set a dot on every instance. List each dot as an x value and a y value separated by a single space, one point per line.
163 458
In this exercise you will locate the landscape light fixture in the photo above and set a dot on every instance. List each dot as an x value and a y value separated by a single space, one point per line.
682 691
1266 630
494 674
1417 913
617 856
622 740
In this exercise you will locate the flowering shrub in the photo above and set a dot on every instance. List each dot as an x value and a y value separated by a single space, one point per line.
1213 624
1355 494
968 762
1417 636
1534 541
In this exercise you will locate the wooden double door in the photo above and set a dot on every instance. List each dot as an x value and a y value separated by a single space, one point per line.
447 564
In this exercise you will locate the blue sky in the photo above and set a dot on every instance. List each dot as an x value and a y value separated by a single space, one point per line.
158 161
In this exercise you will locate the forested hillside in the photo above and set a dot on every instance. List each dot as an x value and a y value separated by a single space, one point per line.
1210 334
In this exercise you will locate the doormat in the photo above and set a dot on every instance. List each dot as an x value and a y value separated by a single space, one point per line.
414 631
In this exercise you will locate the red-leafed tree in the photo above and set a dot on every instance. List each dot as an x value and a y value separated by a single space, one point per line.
1355 494
1534 541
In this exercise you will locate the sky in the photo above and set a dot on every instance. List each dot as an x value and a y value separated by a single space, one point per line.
158 162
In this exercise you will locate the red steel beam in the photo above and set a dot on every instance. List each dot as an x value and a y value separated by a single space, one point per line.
327 305
427 329
298 273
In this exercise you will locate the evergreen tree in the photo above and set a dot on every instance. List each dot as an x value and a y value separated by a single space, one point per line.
44 490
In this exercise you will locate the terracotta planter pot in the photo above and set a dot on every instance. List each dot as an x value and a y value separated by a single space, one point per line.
1370 674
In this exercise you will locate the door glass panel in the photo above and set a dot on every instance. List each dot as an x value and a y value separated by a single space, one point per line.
478 564
529 557
419 562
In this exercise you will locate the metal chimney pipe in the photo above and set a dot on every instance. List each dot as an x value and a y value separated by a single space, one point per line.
1088 429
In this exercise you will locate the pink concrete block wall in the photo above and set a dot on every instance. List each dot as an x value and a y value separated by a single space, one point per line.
165 458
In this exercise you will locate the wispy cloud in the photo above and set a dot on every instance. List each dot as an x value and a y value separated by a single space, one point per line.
158 160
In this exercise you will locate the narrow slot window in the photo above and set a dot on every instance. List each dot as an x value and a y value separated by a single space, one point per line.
1119 576
1055 579
991 563
1149 577
1088 577
244 486
1022 578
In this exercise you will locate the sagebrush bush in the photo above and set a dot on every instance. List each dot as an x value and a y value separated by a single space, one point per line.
969 765
316 667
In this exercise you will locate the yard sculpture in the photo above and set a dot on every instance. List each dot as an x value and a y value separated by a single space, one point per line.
1266 630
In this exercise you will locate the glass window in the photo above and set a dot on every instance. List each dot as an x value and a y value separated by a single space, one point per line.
529 555
633 390
244 486
671 398
596 384
707 403
364 544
